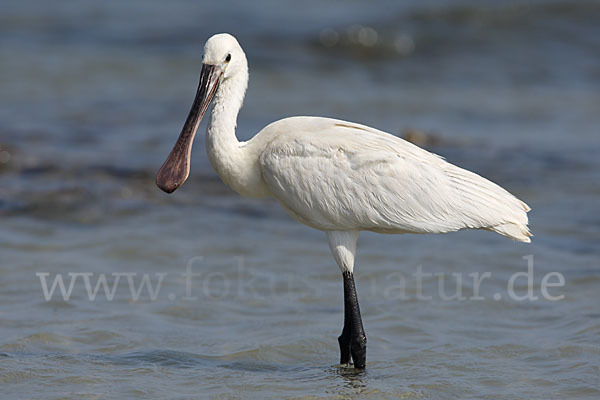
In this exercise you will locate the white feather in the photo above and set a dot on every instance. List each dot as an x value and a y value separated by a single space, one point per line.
336 175
343 177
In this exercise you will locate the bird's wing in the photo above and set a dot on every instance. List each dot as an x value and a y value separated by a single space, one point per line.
338 175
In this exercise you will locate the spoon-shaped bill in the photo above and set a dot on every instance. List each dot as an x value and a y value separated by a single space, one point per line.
176 168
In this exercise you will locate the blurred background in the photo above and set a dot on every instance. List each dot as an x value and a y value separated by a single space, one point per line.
93 95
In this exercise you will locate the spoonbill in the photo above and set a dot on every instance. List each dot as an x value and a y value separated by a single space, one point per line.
336 176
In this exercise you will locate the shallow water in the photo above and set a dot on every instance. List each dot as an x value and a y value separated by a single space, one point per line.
94 94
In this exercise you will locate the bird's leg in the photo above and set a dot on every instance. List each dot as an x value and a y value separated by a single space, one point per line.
353 326
344 338
353 342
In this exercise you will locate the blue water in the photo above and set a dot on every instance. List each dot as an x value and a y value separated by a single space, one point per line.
94 95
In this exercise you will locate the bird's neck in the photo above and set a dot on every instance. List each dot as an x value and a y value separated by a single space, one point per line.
227 155
227 104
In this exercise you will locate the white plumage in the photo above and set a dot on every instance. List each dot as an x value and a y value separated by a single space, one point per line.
336 176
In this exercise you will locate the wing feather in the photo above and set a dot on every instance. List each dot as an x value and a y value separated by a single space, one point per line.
333 174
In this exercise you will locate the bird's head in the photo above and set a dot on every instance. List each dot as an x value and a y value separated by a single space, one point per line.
224 52
223 60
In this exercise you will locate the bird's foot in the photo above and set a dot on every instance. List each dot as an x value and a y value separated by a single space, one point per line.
353 349
358 349
344 341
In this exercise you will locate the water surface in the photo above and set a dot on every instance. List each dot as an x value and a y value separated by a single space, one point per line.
93 97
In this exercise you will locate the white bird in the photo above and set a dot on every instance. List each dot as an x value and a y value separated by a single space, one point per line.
336 176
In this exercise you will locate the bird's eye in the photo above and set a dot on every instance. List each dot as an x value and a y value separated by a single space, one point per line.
228 58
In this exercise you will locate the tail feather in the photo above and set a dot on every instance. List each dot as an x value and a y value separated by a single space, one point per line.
492 207
514 231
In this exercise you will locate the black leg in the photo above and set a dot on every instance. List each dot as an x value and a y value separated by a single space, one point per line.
353 339
344 338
